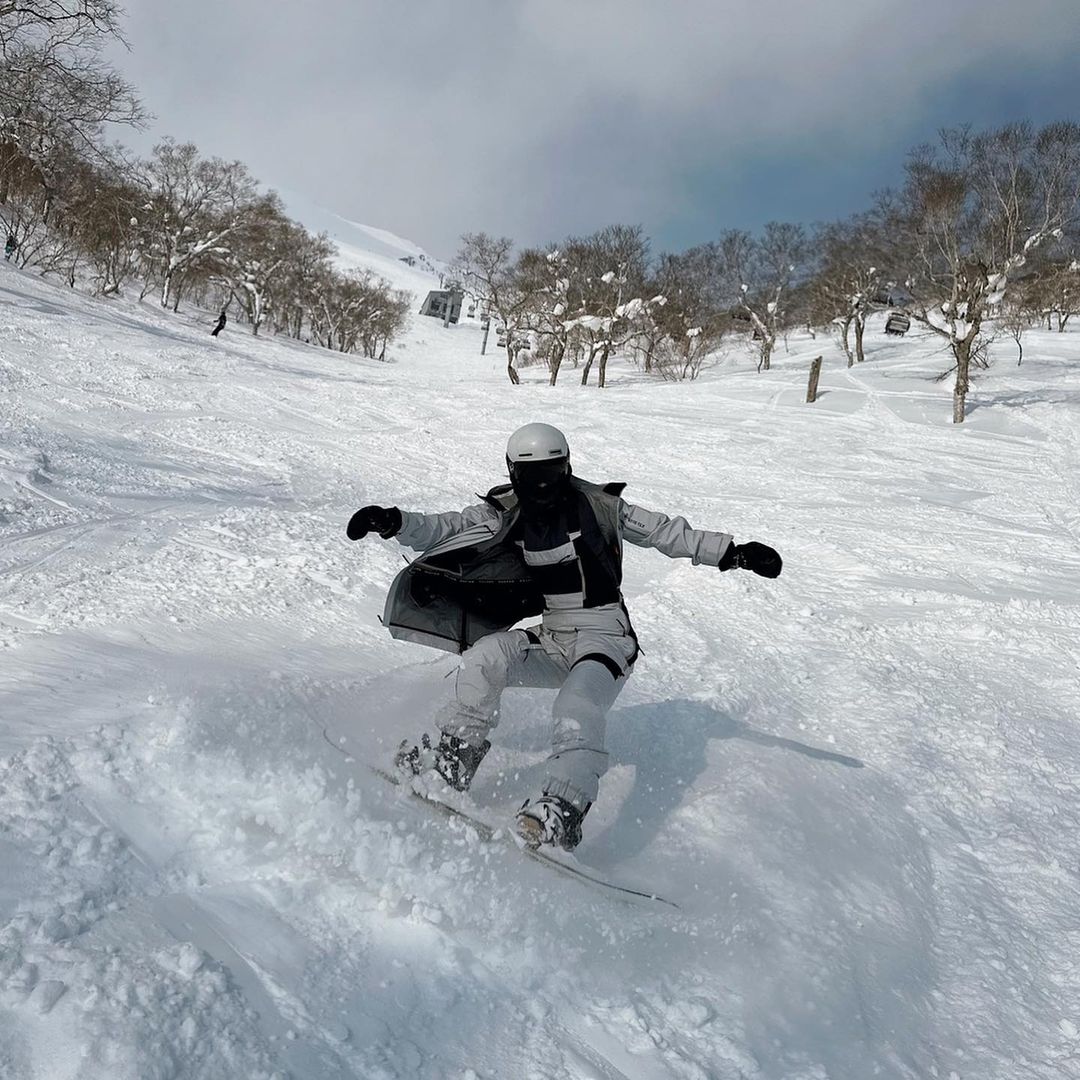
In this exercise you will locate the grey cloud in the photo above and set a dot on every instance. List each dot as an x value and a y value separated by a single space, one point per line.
541 118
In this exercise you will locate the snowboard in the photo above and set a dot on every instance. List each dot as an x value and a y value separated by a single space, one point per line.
489 834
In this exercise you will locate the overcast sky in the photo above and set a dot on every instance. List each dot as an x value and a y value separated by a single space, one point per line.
543 118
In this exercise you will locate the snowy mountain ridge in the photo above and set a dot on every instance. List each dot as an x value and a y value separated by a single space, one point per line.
366 247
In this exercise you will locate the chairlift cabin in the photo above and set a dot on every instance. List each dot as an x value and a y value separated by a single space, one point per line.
897 324
437 302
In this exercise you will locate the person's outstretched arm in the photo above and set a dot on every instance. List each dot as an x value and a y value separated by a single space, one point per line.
677 539
416 531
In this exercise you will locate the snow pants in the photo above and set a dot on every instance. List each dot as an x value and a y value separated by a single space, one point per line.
588 673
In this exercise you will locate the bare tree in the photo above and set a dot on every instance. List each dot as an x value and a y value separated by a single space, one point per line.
849 280
257 255
485 267
972 212
609 291
193 206
55 88
692 310
542 288
357 309
308 265
764 270
1055 287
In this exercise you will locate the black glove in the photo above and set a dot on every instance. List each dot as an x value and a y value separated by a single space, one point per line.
760 558
385 520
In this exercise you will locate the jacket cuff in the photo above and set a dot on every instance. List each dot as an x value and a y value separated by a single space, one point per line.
410 525
713 548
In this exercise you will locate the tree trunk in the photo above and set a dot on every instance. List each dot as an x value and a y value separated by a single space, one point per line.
860 326
514 377
765 351
649 357
602 373
588 365
958 405
845 340
556 362
962 352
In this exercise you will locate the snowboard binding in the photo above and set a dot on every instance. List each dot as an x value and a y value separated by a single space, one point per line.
453 759
550 820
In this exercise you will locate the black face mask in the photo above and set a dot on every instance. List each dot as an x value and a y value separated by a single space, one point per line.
539 485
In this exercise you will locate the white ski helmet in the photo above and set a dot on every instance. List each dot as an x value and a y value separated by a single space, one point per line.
537 442
538 460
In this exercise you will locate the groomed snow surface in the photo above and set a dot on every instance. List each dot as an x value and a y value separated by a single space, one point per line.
859 781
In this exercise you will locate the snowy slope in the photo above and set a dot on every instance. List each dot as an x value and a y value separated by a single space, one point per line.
365 247
858 781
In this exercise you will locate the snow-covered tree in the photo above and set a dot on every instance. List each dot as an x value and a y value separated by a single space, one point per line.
194 205
763 270
485 266
849 280
299 282
691 310
974 210
606 297
257 256
358 309
96 211
543 279
56 90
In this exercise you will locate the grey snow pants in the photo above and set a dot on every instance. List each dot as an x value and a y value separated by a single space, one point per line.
587 690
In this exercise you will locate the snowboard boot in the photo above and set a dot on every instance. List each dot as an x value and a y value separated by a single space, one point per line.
550 820
453 759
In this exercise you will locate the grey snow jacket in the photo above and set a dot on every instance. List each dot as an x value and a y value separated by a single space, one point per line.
471 579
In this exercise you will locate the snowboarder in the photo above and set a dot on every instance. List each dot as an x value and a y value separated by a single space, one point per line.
546 544
10 247
220 324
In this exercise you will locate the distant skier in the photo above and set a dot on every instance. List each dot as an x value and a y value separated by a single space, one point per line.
220 324
545 544
10 247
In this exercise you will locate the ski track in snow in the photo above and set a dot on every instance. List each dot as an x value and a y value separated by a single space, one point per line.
858 781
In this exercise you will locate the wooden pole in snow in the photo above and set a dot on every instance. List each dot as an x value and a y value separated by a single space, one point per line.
815 372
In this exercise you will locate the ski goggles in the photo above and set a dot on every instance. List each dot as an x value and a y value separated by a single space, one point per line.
532 478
